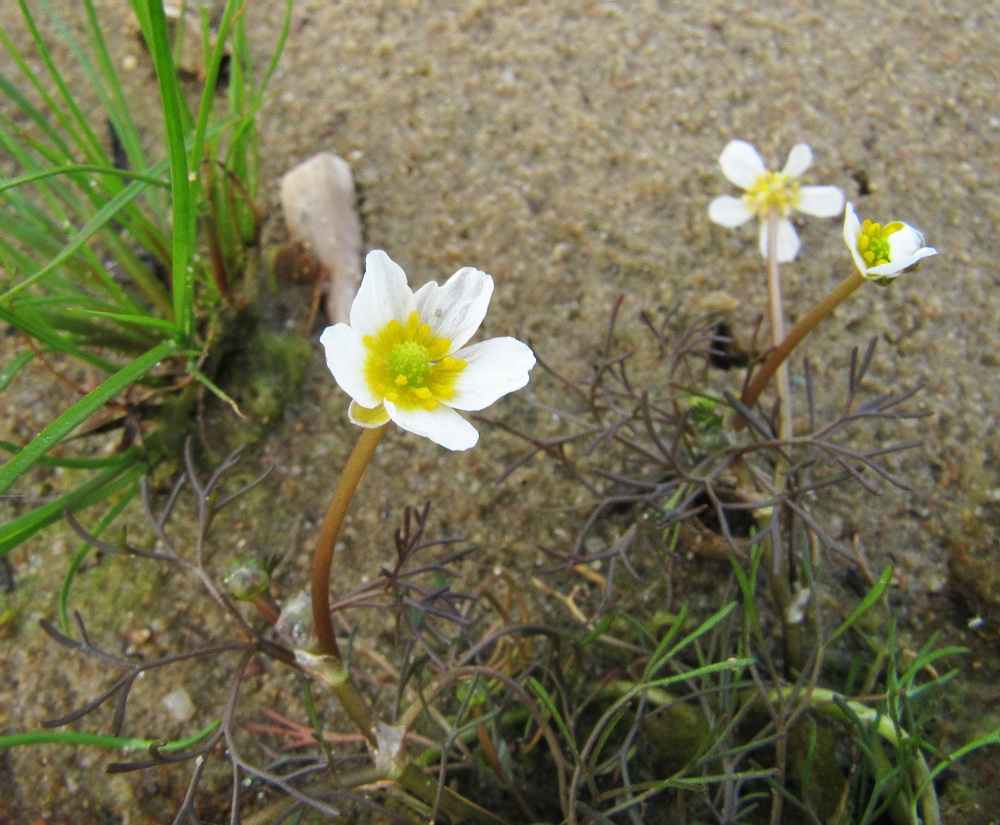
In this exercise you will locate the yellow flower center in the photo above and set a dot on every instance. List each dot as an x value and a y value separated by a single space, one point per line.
409 367
873 241
772 191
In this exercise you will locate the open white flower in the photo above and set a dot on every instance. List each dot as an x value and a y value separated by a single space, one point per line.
403 356
772 191
882 252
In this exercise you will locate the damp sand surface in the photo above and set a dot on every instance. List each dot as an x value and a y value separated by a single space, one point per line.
570 149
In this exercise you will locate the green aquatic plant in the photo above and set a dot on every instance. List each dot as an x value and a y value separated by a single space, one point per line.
771 693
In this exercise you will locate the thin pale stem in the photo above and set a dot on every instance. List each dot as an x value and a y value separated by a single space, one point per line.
805 325
775 553
329 531
776 363
776 310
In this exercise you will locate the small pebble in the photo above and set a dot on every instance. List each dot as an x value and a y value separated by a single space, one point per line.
179 705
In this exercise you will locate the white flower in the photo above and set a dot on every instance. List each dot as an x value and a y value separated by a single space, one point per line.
767 191
403 356
883 252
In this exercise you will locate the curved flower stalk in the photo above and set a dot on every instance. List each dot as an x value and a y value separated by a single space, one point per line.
880 252
403 355
770 193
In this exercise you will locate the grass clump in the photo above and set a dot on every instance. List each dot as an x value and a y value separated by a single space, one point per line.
123 258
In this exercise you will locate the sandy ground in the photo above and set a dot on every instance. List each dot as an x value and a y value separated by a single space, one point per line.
570 149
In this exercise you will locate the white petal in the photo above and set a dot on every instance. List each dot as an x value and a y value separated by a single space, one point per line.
799 159
852 229
904 242
788 241
443 426
383 295
456 309
495 368
820 201
345 356
729 211
896 266
741 163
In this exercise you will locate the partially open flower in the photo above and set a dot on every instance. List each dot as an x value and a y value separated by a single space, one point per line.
403 356
880 252
768 192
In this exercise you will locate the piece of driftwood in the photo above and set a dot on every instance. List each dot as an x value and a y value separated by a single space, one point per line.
321 212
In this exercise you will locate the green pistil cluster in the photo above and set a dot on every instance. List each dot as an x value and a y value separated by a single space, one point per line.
873 242
410 367
772 191
410 363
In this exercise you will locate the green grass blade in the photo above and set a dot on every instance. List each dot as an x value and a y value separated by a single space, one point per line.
84 549
75 120
549 703
52 340
211 80
279 48
153 23
108 85
70 119
98 488
664 656
72 418
659 656
704 670
72 168
71 737
867 603
13 368
138 320
80 239
71 462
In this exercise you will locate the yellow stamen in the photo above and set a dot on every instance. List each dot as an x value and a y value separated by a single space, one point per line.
772 191
409 366
873 241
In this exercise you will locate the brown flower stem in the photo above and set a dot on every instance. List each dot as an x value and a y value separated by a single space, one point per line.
267 608
326 664
364 449
805 325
